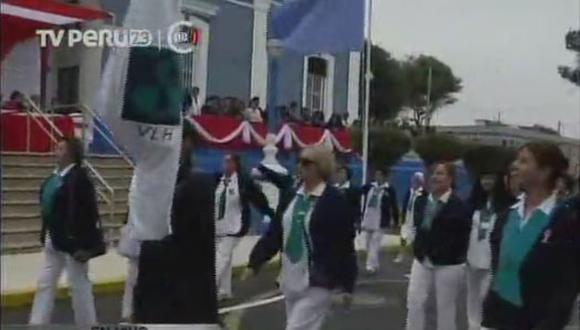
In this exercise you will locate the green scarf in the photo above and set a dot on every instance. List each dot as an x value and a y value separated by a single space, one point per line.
295 244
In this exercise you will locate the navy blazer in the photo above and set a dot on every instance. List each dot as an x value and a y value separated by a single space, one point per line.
78 226
550 275
446 242
389 205
332 262
250 193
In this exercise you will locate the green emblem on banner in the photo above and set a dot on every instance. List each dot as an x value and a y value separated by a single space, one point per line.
153 90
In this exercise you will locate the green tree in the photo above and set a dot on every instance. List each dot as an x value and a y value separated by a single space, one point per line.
444 84
573 44
479 159
386 145
433 147
388 86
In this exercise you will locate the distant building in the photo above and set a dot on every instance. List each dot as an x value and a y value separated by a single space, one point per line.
488 132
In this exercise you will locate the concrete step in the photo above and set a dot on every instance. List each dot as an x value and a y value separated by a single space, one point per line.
35 180
12 222
15 194
33 206
50 158
14 168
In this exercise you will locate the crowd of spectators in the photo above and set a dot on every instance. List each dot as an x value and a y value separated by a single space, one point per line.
252 112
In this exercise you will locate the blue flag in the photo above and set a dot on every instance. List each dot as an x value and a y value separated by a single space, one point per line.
317 26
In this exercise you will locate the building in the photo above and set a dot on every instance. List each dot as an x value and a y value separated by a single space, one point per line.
495 133
230 60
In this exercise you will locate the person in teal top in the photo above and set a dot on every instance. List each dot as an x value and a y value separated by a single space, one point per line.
70 233
537 262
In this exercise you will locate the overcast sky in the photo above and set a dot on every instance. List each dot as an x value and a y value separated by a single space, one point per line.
505 51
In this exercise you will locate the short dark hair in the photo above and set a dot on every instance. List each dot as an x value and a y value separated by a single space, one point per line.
15 94
74 148
255 98
568 181
236 159
548 155
345 168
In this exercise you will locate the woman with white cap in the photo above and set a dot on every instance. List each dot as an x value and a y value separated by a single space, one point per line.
313 231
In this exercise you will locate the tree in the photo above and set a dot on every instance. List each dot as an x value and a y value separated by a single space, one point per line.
444 84
388 86
479 159
386 145
433 147
572 44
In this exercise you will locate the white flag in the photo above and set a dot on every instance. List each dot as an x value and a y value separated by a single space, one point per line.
140 100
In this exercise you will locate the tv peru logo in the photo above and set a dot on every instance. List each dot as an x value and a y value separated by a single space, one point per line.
182 37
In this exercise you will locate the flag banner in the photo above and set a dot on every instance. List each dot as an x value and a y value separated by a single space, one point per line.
140 101
320 26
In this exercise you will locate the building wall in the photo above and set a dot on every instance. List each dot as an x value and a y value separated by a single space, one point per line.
230 52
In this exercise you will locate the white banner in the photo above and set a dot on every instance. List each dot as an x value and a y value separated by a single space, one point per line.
140 100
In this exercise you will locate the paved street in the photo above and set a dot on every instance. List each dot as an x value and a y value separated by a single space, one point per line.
379 304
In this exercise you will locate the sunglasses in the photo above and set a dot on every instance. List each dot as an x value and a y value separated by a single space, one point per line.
305 162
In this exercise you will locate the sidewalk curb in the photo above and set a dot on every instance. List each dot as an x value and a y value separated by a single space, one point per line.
24 298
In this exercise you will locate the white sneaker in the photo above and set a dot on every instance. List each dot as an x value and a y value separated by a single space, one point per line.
399 259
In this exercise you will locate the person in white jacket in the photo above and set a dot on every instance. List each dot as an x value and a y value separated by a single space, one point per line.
489 198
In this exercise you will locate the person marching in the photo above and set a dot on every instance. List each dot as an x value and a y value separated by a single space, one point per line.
233 195
489 197
71 235
314 233
342 181
381 211
407 231
537 269
443 224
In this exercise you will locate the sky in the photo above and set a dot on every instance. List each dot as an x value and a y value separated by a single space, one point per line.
505 51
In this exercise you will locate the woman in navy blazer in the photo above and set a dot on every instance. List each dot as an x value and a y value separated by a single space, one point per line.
442 225
313 231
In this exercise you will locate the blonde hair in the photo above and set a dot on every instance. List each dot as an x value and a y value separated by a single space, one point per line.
323 157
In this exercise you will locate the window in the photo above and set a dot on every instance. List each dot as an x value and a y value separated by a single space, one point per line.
316 83
68 85
189 63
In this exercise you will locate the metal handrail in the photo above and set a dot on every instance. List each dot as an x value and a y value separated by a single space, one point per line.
33 111
93 115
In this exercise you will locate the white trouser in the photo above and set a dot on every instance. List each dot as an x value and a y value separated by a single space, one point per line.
83 301
478 281
307 310
130 282
224 254
447 281
373 241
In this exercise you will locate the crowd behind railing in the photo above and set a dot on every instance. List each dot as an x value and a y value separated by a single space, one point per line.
253 112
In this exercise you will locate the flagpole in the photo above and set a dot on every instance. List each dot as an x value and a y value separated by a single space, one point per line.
367 94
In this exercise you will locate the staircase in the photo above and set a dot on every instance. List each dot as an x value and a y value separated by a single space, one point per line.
22 175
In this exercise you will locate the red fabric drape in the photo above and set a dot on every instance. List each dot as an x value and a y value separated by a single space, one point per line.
15 127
